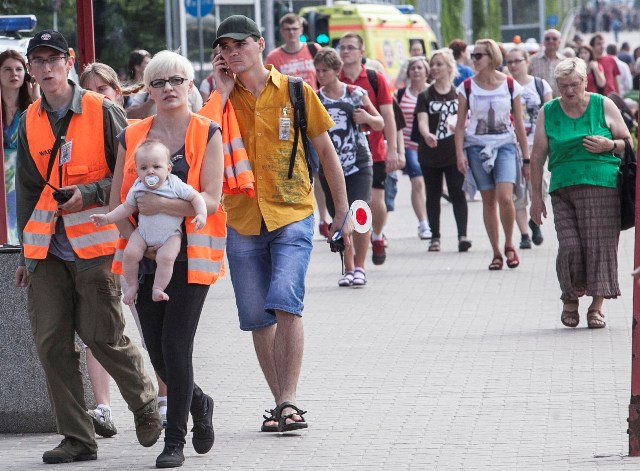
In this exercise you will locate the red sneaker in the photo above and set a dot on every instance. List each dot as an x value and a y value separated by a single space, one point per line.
379 254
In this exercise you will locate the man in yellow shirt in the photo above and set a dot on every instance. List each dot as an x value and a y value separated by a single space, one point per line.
270 236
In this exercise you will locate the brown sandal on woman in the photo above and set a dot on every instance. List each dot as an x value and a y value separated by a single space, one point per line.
595 319
570 318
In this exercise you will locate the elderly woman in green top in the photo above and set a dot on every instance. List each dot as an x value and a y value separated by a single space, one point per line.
581 132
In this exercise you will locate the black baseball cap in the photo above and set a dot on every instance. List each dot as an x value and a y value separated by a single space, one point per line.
237 27
48 38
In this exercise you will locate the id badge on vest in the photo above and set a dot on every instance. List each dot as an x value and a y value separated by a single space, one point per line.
285 126
65 152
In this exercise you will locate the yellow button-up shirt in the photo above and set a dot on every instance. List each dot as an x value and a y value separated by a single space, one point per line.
278 201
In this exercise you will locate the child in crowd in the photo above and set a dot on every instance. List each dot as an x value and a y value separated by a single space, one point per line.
162 232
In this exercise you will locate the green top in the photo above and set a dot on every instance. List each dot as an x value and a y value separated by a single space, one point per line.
569 162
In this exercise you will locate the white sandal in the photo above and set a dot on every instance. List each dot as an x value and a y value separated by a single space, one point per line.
359 277
346 280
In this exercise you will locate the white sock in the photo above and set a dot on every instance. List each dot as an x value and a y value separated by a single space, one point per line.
162 410
375 236
424 224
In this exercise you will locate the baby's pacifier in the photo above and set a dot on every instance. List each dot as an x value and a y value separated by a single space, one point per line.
151 180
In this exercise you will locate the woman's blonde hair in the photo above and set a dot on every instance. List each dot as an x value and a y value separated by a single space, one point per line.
165 63
447 56
571 66
492 49
415 59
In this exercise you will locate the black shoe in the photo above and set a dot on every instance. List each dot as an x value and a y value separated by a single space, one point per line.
525 241
68 451
203 435
171 456
536 233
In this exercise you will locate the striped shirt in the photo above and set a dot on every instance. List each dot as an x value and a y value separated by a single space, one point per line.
543 67
408 107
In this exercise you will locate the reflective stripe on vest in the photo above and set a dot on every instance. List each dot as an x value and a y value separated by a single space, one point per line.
238 176
205 248
86 165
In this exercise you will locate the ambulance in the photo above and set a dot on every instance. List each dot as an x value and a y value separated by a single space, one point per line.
387 30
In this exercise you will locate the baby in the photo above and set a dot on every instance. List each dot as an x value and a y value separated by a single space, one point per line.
160 231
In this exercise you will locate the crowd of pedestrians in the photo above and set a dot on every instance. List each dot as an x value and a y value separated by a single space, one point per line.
126 188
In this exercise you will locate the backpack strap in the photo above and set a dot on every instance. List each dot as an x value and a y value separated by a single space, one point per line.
510 87
539 88
400 93
372 76
296 95
313 49
467 89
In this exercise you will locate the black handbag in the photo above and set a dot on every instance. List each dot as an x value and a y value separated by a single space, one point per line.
627 187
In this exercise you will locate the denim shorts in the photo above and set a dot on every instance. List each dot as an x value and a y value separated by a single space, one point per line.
413 166
504 169
268 271
391 190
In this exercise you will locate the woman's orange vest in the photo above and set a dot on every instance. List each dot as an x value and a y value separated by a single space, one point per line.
205 248
87 165
238 176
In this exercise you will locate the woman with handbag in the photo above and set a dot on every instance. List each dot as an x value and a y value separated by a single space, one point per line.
581 132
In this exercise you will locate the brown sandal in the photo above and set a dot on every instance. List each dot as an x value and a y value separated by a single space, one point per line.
570 318
595 319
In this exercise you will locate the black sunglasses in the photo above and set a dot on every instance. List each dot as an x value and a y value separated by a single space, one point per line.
478 55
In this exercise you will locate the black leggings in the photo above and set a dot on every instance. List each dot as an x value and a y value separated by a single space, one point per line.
169 329
433 183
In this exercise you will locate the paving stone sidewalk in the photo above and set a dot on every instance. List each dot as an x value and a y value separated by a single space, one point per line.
437 363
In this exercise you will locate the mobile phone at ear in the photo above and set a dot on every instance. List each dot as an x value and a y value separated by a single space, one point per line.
225 69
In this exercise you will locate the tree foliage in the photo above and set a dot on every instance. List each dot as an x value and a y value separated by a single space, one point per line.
451 20
487 17
119 25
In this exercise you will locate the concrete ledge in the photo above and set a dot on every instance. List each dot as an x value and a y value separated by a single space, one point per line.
24 400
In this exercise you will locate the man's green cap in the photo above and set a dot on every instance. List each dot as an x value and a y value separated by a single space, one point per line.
237 27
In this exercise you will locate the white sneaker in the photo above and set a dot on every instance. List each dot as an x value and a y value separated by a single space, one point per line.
102 422
425 233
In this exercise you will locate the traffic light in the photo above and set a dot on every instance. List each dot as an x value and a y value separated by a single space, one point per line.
316 28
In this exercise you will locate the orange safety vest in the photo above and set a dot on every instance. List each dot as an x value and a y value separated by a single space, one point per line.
87 165
205 248
238 176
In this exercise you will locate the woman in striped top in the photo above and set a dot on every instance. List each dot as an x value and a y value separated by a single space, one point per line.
417 73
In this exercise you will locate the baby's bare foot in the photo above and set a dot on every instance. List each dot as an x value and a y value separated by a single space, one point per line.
159 295
129 296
